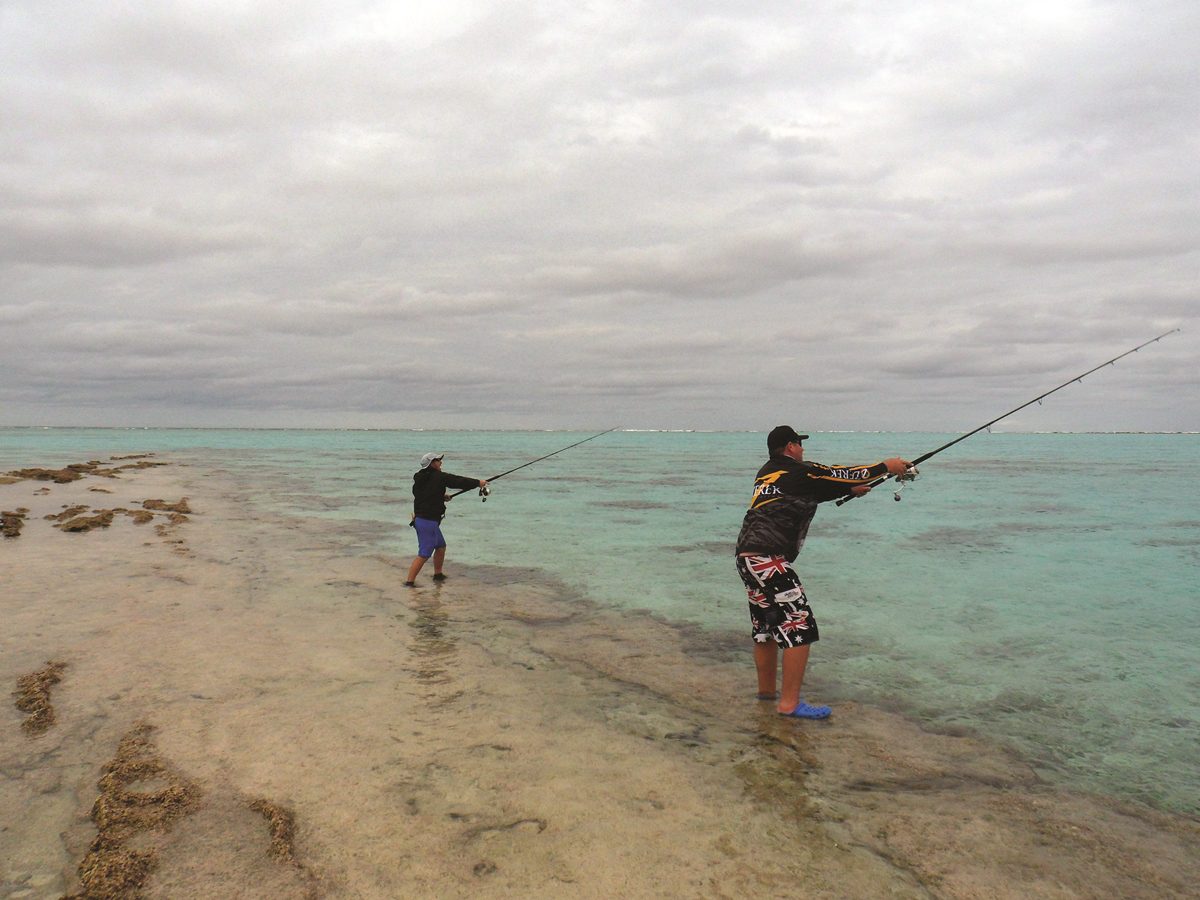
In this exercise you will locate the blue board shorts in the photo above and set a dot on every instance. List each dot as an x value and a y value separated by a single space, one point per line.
778 605
429 537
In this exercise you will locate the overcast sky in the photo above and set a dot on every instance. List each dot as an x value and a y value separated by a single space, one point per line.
842 215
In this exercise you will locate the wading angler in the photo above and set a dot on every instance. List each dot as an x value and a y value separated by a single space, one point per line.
787 490
429 508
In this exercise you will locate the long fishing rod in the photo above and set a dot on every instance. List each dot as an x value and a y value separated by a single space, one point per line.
483 492
1037 399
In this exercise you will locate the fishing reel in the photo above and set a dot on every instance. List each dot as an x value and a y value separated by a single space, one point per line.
903 480
484 491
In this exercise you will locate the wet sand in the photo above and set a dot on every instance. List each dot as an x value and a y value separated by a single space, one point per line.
247 708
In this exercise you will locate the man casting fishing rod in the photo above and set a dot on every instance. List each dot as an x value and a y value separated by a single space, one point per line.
430 498
429 508
787 491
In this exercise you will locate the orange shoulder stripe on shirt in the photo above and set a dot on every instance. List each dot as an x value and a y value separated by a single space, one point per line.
843 474
765 481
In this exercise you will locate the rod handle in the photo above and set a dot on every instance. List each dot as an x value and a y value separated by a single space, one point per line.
873 484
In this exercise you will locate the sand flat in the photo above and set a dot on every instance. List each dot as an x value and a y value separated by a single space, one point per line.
489 736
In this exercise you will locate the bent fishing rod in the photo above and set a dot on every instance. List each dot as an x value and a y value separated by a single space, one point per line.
911 474
483 492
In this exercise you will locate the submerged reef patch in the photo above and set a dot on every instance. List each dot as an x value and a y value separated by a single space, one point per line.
69 512
282 822
101 518
33 697
58 476
126 816
12 521
73 519
76 471
180 506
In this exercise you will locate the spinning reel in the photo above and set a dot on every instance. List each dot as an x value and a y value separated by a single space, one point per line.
903 479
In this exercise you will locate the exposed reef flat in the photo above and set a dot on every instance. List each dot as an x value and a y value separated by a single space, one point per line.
320 731
77 471
12 521
77 517
32 696
141 796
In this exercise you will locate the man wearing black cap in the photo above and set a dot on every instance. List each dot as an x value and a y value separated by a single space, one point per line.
787 491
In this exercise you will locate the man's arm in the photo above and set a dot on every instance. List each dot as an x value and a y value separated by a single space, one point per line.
461 483
831 482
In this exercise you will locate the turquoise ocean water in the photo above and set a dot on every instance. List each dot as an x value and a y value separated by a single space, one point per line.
1038 589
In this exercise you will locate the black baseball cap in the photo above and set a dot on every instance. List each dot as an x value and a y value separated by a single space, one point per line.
781 436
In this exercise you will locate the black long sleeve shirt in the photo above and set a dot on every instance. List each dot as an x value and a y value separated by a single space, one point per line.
785 499
429 491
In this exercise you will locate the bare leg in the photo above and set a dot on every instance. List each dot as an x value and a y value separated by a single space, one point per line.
766 661
795 661
439 557
415 568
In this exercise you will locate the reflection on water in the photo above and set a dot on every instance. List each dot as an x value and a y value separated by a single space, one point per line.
433 642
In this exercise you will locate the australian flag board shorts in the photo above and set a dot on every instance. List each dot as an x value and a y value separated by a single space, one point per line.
778 606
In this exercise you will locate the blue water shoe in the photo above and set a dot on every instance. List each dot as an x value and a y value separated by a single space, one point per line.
804 711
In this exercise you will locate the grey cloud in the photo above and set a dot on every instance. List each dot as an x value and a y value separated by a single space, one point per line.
13 314
346 311
1098 247
733 268
106 238
551 207
116 339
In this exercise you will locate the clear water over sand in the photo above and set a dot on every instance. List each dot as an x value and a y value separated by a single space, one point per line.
1040 590
502 733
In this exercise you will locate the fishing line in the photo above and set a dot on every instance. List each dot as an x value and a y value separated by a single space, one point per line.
912 473
483 492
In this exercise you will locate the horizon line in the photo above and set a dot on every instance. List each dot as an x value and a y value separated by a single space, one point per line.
554 430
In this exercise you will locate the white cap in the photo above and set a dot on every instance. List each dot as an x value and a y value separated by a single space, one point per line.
428 459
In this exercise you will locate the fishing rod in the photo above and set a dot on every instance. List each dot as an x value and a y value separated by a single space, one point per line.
912 473
483 492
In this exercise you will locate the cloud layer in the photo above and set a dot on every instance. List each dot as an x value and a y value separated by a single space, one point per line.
551 214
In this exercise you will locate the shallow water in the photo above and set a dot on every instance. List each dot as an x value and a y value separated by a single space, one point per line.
1037 589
